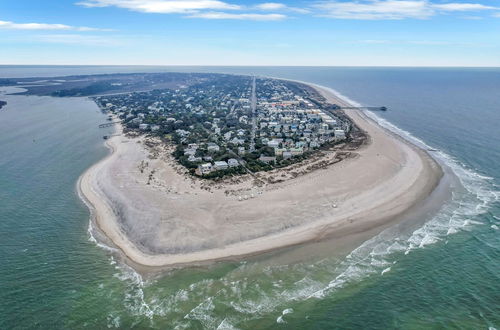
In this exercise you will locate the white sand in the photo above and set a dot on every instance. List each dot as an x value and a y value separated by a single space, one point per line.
174 220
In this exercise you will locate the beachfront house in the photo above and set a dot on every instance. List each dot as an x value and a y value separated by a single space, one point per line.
267 159
296 151
279 151
194 159
339 134
220 165
204 168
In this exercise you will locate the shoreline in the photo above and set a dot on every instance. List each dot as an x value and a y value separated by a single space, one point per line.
403 187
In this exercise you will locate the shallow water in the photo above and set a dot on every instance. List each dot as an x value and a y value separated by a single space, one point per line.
442 273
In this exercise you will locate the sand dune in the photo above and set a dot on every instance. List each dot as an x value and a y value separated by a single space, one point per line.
176 220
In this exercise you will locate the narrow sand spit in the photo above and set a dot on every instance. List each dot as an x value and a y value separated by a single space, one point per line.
159 217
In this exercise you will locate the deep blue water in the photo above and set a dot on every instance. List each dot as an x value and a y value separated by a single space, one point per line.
444 274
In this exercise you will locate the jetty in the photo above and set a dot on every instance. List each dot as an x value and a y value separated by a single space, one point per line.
105 137
362 108
108 124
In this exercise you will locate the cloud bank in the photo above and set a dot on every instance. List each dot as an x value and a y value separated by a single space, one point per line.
253 17
207 9
392 9
43 26
162 6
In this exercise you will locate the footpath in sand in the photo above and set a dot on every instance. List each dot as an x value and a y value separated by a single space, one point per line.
158 216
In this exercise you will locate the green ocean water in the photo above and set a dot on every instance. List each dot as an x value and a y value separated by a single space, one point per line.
442 272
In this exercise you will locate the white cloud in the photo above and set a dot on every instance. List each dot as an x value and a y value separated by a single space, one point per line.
207 9
418 42
270 6
277 6
44 26
243 16
462 6
340 9
162 6
386 9
391 9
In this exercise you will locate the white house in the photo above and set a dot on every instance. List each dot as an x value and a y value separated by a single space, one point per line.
296 151
273 143
189 152
267 159
237 141
194 159
213 147
220 165
232 162
339 134
205 168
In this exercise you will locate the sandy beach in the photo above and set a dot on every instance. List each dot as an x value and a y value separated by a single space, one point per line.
158 216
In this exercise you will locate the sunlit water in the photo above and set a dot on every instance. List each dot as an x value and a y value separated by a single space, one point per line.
443 272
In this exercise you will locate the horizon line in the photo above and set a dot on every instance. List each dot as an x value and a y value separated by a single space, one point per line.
265 65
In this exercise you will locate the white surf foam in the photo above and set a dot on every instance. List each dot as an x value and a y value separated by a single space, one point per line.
92 238
113 321
134 296
455 216
225 325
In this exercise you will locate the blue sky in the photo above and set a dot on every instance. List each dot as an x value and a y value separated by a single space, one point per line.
220 32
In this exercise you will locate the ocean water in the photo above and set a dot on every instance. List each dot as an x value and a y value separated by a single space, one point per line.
441 273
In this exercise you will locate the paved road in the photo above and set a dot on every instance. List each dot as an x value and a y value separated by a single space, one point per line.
253 107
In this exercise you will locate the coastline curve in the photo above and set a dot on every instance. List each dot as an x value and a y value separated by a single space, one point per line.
395 177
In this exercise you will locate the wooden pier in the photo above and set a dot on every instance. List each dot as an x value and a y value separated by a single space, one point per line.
108 124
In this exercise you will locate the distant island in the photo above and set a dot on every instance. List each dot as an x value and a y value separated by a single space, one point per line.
91 85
